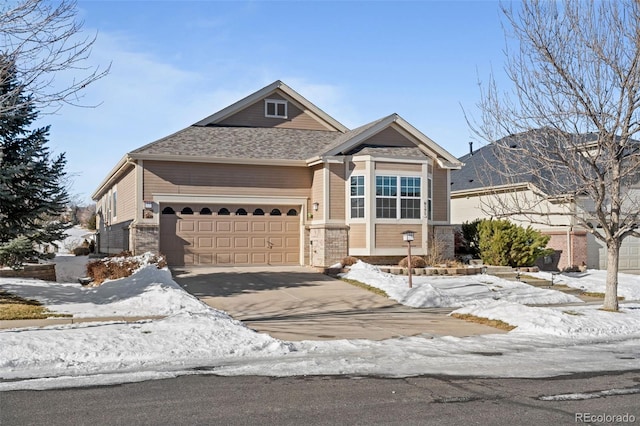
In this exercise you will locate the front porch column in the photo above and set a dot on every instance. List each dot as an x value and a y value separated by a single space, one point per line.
329 244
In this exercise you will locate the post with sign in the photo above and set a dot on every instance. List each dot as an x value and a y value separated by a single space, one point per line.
408 237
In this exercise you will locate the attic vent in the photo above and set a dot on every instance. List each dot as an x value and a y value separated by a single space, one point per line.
470 180
275 108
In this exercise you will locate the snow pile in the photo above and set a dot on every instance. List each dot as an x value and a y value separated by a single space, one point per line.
452 291
148 292
593 280
575 322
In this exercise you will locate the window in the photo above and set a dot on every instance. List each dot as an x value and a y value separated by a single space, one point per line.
223 212
410 197
258 212
205 211
292 212
241 212
275 212
429 198
386 197
357 197
115 204
168 210
187 210
275 108
398 197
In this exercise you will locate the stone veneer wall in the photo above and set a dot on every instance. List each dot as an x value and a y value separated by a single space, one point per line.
144 238
330 244
446 236
45 272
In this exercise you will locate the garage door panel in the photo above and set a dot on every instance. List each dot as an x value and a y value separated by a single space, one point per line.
258 242
241 258
276 226
205 226
258 226
241 226
226 240
222 226
241 242
223 242
205 242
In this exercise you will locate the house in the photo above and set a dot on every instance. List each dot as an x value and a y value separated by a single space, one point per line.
481 184
273 180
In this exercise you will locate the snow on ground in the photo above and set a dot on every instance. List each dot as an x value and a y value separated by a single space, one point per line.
453 291
593 280
196 339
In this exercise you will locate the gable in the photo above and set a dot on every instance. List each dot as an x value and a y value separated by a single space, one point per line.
251 112
254 116
387 143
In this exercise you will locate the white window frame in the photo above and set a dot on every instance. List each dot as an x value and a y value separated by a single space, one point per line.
114 204
276 102
358 196
429 212
398 197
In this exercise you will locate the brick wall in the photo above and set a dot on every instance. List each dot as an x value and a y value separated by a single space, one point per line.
561 242
45 272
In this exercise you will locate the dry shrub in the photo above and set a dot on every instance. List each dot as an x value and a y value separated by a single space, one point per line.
416 262
349 260
119 266
81 251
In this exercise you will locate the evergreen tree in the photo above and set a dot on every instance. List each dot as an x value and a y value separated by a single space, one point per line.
32 192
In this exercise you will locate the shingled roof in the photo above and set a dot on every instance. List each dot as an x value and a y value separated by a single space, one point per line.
240 142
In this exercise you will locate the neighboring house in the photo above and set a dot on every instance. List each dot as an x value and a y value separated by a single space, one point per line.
273 179
478 184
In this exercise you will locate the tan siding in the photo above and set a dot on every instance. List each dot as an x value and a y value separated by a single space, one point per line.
389 137
126 197
400 167
390 235
357 235
224 179
336 192
440 198
317 191
253 116
359 166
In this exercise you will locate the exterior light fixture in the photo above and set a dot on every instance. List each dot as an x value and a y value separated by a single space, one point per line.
316 205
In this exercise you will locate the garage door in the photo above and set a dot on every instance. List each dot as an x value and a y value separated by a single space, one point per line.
629 255
218 235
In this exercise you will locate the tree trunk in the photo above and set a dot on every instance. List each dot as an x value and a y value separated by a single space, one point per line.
611 289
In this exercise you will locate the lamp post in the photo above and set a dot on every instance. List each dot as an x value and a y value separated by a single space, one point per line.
408 237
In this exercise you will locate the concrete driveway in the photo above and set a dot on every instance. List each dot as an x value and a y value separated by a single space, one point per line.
297 303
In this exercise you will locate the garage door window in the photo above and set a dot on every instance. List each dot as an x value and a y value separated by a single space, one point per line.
241 212
187 210
292 212
275 212
205 211
258 212
223 212
168 210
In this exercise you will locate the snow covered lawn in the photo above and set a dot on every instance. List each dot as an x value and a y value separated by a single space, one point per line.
195 339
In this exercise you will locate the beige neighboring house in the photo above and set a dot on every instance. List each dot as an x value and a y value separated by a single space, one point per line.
474 188
274 180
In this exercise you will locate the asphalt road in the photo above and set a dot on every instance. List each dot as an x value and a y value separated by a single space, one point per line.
213 400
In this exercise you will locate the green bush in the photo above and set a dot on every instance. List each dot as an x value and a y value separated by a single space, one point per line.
16 252
503 243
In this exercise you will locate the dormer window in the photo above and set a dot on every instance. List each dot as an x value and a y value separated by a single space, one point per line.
275 108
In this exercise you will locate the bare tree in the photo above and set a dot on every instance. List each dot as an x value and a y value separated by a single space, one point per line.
566 129
41 41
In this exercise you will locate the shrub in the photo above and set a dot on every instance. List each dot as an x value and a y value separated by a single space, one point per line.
416 262
16 252
503 243
81 251
468 239
349 260
121 265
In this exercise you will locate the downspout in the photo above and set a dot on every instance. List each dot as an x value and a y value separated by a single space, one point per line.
569 247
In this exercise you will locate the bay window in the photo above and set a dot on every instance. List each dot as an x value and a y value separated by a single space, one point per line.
398 197
357 197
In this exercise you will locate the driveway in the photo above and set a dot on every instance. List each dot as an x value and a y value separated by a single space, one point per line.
297 303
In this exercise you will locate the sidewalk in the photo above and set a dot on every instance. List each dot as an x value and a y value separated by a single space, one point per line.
16 324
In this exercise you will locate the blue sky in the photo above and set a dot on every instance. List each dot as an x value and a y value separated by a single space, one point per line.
176 62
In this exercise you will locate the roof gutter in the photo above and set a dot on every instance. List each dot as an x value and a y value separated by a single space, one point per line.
218 160
114 174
